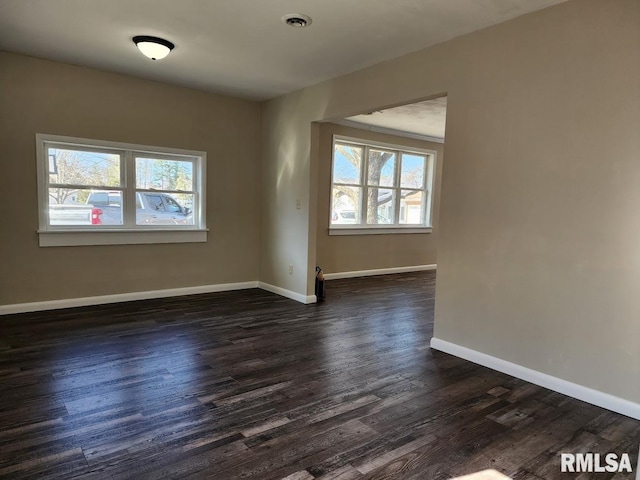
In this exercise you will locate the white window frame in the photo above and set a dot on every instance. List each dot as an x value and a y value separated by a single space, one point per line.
129 232
370 229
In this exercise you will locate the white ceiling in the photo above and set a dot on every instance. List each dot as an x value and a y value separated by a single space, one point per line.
241 47
426 119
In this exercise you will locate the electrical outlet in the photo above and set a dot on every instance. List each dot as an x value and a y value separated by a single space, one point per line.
290 269
298 204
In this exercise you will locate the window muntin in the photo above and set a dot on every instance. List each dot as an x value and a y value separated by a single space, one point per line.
397 190
96 186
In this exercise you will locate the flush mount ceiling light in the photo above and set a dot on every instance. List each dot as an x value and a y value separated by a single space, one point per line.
297 20
153 47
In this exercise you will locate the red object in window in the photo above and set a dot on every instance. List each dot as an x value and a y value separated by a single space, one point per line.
96 216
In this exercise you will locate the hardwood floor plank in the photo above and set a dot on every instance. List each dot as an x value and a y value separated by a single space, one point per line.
346 472
382 460
30 465
265 426
301 475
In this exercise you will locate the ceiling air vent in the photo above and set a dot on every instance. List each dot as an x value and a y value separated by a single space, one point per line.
297 20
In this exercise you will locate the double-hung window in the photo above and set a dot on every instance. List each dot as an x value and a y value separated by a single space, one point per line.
94 192
380 188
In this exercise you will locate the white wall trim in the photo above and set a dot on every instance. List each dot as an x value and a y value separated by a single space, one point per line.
594 397
129 297
121 297
378 271
298 297
120 237
368 230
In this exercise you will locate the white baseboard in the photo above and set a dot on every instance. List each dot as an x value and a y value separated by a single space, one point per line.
594 397
121 297
298 297
378 271
129 297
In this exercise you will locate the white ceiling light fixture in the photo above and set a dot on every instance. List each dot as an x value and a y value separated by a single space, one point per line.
153 47
297 20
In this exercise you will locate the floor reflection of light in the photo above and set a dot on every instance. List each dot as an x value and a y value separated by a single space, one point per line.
116 391
380 339
484 475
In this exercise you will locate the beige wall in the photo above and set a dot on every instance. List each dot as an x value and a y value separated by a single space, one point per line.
348 253
49 97
539 257
286 232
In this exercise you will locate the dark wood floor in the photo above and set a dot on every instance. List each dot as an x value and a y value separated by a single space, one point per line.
251 385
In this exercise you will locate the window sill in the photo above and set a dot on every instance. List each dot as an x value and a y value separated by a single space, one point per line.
369 230
67 238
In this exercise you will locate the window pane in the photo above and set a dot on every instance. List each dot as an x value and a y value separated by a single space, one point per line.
84 207
77 167
346 205
380 206
160 174
347 160
411 207
381 168
159 208
412 173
